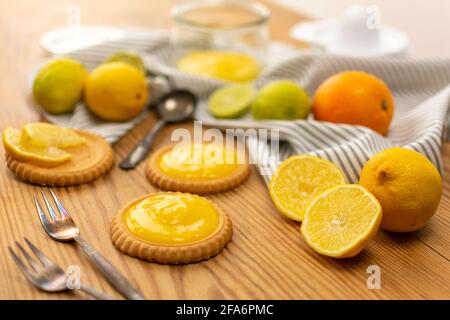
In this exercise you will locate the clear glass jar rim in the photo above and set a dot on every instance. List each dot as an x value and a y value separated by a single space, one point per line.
260 9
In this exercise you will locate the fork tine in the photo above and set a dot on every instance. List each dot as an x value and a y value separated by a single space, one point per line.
41 213
42 257
58 203
21 265
49 207
30 260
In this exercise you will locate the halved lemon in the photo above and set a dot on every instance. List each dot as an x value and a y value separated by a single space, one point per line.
48 157
298 180
45 135
231 101
341 221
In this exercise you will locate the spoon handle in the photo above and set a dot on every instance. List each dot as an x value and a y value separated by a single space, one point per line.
142 148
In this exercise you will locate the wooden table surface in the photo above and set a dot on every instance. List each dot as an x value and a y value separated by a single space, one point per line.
267 258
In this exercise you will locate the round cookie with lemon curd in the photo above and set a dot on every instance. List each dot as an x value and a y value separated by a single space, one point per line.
49 155
201 169
171 228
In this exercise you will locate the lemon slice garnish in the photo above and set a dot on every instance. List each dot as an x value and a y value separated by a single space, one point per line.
231 101
298 180
44 156
341 221
46 135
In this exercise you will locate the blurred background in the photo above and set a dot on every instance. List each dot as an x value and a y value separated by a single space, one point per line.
426 22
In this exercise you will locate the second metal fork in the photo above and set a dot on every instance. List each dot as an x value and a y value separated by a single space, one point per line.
46 274
62 228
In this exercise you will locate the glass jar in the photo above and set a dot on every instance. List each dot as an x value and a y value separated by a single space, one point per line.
221 25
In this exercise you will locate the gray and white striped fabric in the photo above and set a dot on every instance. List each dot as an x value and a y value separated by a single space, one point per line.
421 91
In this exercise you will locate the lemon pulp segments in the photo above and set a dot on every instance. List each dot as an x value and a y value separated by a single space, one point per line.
50 156
298 180
45 135
341 221
231 101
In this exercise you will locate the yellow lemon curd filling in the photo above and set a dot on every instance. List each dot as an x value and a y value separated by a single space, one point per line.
172 219
198 162
231 66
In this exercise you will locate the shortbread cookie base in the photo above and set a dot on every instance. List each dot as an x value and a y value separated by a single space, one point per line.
89 161
129 244
163 181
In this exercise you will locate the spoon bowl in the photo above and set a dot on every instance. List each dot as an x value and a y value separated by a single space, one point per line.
175 106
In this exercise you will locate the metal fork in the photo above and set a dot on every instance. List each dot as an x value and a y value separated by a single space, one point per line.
62 228
46 274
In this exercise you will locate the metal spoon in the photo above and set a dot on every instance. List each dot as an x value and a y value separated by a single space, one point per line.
176 106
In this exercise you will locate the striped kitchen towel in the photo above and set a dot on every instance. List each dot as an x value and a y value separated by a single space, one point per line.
421 90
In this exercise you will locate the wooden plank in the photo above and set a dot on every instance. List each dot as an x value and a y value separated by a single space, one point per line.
267 257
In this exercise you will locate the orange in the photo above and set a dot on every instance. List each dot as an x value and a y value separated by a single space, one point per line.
355 97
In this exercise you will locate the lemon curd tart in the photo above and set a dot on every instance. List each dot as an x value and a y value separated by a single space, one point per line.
197 168
47 154
171 228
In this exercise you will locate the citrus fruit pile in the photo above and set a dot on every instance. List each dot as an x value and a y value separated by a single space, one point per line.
280 99
399 190
350 97
42 144
116 90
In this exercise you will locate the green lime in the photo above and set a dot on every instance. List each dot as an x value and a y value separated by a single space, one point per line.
58 86
281 100
131 58
231 101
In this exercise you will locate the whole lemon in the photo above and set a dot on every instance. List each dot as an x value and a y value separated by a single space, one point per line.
116 91
355 97
281 100
58 86
406 184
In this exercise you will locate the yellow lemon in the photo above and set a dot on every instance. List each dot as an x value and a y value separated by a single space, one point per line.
48 156
407 185
44 135
231 66
58 86
341 221
298 180
116 91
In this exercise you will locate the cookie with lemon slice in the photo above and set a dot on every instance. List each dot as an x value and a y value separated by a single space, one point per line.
197 168
171 228
47 154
